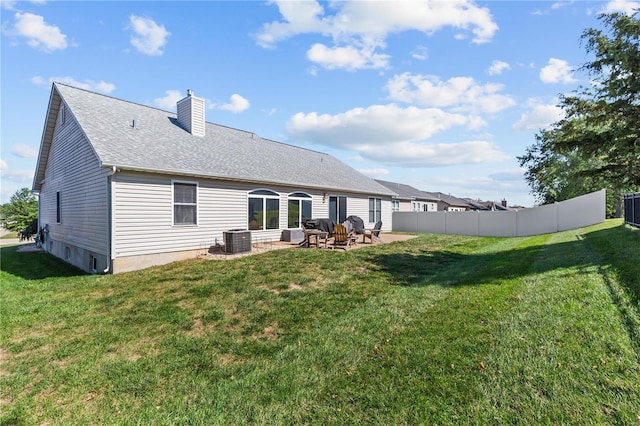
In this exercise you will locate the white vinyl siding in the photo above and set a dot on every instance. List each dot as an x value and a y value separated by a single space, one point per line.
143 207
74 172
143 221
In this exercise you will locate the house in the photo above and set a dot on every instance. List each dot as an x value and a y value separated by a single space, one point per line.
450 203
487 205
408 198
123 186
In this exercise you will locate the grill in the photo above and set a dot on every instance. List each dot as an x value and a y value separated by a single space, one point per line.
237 241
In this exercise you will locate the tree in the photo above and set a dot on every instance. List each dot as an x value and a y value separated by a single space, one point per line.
21 211
598 140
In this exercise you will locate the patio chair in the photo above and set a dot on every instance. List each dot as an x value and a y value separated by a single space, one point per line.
372 234
341 237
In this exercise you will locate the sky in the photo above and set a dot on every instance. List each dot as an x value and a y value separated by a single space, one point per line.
440 95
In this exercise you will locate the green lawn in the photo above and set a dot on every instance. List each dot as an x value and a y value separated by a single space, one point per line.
436 330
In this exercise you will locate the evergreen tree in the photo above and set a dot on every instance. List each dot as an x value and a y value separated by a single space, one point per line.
597 143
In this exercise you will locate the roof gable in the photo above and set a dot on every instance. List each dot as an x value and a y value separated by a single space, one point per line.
138 137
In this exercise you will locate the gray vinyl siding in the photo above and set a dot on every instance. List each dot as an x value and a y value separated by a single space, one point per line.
74 171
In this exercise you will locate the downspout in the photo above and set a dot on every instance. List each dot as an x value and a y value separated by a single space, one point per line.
109 219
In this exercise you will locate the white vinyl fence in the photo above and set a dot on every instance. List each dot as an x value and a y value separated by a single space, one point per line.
575 213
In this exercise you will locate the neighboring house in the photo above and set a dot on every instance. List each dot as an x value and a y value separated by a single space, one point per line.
487 205
450 203
409 199
123 186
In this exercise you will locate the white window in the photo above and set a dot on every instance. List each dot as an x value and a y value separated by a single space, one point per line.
299 208
264 210
375 210
395 205
185 203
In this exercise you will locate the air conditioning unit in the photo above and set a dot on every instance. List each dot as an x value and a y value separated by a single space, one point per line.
237 241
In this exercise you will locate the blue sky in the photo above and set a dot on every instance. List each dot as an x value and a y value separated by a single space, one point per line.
442 96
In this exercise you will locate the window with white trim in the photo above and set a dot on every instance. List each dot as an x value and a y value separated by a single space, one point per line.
264 210
395 205
185 203
375 210
299 207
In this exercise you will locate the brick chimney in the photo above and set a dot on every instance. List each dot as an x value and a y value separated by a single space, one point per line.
191 114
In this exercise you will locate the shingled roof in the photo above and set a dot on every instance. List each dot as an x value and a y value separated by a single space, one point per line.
136 137
407 192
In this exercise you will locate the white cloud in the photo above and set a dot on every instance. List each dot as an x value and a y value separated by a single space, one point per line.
557 71
38 33
149 37
461 94
358 29
421 53
393 135
498 67
560 4
16 176
377 124
622 6
350 57
507 184
540 116
170 100
24 151
373 173
414 154
237 104
3 164
100 86
299 17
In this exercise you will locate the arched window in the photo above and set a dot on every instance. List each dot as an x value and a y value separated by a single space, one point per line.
299 208
264 209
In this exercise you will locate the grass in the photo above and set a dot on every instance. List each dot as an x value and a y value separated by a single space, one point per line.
438 330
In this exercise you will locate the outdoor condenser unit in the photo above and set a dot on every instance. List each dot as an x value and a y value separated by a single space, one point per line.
237 241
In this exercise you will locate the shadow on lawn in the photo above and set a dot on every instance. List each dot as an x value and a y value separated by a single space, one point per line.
448 268
35 265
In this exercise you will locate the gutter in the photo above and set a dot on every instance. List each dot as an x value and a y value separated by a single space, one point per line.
109 219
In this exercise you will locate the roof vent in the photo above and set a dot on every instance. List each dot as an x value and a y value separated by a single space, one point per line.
191 114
